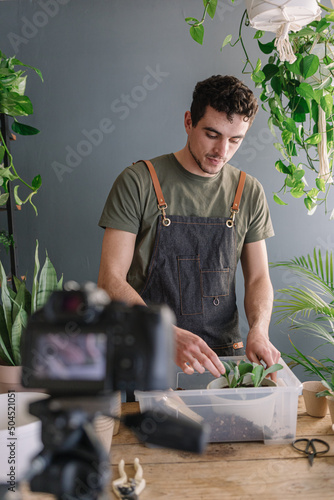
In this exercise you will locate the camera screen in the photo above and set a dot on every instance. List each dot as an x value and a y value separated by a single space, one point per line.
71 357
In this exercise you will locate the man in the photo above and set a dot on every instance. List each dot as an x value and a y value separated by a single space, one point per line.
209 218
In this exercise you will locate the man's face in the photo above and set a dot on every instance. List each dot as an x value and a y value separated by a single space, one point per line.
214 140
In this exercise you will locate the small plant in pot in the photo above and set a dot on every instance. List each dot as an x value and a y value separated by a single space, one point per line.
244 374
309 308
17 304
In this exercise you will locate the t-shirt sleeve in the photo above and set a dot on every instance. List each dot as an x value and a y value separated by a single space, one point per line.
122 208
260 226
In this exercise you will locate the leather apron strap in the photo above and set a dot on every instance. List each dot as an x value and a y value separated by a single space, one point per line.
162 205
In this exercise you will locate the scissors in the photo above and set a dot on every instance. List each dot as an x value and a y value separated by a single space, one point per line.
310 450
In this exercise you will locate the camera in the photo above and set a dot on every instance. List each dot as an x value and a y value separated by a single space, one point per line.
82 343
81 348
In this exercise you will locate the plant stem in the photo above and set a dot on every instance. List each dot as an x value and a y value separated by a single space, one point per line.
242 43
11 164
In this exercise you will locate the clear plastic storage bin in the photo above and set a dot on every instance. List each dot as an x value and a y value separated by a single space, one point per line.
266 414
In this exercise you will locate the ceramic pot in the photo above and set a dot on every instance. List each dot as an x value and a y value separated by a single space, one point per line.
315 407
20 434
105 426
255 404
221 383
330 402
10 379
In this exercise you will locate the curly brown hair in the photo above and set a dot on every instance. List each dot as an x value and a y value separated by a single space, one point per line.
225 94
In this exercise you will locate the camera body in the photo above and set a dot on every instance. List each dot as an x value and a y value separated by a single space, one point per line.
80 343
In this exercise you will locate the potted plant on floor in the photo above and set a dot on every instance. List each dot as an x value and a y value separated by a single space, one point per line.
15 308
309 308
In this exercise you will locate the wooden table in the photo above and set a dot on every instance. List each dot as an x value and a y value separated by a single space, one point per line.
232 470
227 470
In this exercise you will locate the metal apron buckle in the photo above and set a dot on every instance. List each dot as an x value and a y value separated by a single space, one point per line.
165 221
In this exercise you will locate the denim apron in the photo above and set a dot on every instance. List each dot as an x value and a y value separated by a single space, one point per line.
192 269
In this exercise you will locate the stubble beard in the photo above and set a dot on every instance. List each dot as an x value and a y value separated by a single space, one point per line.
200 165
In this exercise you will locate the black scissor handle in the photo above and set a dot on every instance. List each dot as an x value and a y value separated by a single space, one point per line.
310 448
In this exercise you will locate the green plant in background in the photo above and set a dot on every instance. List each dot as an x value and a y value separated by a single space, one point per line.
299 100
17 306
244 373
196 29
14 103
310 309
6 239
324 369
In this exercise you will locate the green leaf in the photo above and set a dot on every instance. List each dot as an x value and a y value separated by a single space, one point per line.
2 153
290 125
16 196
309 65
298 174
197 33
16 62
5 348
22 299
286 136
47 283
257 375
276 84
258 66
23 129
191 20
273 368
281 149
245 367
326 102
36 182
258 34
270 70
6 173
19 324
278 200
313 139
210 6
14 104
258 77
296 192
317 95
3 198
308 203
321 184
6 298
35 281
227 40
279 165
296 66
266 48
305 90
322 25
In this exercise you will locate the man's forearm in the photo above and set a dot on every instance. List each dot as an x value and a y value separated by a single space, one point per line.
258 303
119 289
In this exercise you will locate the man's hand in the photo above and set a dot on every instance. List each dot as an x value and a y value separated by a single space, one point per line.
259 348
193 353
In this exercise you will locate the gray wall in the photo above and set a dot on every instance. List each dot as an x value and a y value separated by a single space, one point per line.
91 54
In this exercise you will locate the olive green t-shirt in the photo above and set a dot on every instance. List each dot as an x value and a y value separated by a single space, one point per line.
132 205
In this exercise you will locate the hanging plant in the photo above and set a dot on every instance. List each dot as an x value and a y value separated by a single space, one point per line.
14 103
299 99
297 87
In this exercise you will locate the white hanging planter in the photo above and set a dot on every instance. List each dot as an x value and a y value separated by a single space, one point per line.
282 16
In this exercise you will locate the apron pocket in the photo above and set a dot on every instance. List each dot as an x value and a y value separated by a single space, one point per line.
190 284
216 283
